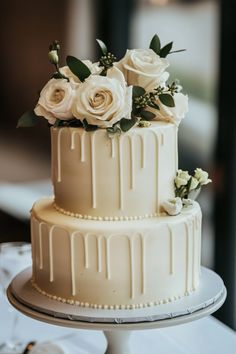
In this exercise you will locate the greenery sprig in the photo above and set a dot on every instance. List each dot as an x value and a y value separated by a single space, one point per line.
107 59
155 45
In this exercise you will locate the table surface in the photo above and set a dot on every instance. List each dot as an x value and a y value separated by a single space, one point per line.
205 336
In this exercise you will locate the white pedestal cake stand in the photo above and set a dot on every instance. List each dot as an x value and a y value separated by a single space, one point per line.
117 325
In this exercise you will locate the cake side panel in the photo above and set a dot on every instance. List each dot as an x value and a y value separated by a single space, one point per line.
127 175
131 265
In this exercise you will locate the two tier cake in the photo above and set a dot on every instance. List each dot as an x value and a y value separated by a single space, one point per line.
121 230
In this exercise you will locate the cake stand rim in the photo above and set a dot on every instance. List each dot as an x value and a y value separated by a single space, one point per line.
127 325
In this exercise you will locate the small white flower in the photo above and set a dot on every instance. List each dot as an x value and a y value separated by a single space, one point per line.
193 183
53 56
202 176
173 206
182 178
187 202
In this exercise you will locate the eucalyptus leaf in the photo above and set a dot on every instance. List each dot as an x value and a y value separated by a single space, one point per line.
28 119
138 91
127 124
167 100
102 46
155 44
147 115
89 127
78 68
166 50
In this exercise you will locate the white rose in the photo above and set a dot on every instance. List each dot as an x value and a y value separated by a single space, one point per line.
172 114
55 100
143 67
193 184
202 176
103 100
93 67
173 206
182 178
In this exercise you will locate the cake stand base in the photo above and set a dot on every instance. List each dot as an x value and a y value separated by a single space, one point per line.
117 325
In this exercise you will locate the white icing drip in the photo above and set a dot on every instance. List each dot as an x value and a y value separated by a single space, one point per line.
93 170
113 147
171 250
59 154
99 255
40 246
82 147
72 141
72 263
131 255
107 250
143 263
132 162
32 225
121 202
143 151
86 251
51 269
162 138
187 257
157 168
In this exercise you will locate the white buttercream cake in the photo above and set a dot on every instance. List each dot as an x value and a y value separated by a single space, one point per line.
104 241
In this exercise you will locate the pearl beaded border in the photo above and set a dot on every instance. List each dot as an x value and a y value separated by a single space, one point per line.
109 307
105 218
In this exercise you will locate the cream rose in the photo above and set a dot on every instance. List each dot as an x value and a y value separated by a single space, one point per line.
55 100
172 114
93 67
202 176
103 100
173 206
182 178
143 67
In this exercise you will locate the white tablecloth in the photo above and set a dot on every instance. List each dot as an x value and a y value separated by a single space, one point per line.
205 336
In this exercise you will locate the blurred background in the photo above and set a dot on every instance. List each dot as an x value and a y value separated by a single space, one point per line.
206 137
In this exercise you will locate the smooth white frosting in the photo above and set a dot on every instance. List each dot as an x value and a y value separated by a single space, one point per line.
128 175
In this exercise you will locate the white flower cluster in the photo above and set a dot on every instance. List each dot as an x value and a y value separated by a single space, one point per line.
187 188
105 100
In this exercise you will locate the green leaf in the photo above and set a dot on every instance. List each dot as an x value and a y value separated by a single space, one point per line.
78 68
89 127
147 115
154 105
138 91
127 124
28 119
102 46
115 129
167 100
166 50
155 44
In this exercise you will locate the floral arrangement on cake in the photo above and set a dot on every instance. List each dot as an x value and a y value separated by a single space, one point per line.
187 189
110 94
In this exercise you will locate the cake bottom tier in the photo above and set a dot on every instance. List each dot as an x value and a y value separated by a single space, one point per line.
115 264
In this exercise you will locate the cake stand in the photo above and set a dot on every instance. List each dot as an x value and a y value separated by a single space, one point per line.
118 325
